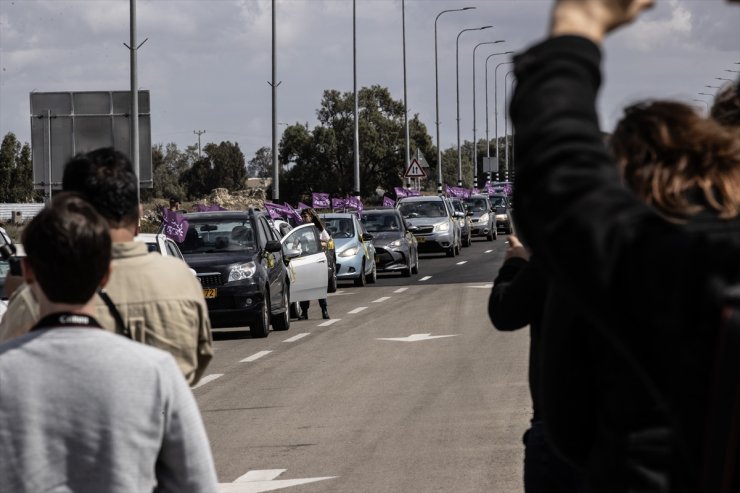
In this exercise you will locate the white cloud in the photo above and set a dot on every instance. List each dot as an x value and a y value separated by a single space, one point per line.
649 34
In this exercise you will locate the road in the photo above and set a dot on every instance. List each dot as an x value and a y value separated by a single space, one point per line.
408 388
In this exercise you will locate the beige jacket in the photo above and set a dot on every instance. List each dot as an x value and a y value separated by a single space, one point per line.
159 299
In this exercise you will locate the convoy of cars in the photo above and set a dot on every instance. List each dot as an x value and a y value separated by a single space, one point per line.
463 219
395 246
432 221
504 221
354 249
482 220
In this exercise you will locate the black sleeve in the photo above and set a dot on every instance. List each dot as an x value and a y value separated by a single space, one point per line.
518 294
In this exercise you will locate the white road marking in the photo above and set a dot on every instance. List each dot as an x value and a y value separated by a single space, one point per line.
400 290
358 309
255 357
207 378
414 338
341 293
425 278
264 480
482 286
463 262
297 337
329 322
380 300
488 251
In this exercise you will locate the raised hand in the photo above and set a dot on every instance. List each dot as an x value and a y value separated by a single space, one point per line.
593 19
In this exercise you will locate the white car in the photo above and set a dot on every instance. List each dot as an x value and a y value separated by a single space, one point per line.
162 244
307 265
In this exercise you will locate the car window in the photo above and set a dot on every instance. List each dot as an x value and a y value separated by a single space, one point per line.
478 204
266 231
209 235
376 223
429 208
340 227
305 240
172 249
498 202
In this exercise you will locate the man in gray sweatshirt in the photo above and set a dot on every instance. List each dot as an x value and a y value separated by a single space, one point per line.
83 409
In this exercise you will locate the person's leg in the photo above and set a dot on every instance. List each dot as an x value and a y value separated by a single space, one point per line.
324 309
304 310
544 471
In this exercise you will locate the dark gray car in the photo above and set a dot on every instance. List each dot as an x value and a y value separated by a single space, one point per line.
395 247
483 220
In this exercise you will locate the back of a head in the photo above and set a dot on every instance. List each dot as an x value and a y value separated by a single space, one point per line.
106 179
68 246
726 107
666 151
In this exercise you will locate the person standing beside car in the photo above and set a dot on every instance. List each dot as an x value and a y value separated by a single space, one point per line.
309 216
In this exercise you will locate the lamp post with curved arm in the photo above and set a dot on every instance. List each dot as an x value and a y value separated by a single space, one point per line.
506 126
488 139
436 93
475 141
457 74
495 106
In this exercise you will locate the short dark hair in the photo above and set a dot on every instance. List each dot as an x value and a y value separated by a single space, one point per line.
68 246
174 199
726 107
106 179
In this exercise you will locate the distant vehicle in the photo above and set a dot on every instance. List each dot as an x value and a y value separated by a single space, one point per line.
502 188
463 219
395 246
504 222
162 244
354 250
483 220
431 220
238 258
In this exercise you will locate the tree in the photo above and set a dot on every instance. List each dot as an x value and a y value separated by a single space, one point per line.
260 166
168 165
16 171
222 166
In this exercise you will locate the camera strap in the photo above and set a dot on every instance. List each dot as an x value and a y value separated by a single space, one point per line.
121 327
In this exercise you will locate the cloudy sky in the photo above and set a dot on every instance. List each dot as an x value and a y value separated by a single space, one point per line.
207 62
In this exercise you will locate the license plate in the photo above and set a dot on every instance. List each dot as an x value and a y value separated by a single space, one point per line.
209 293
421 239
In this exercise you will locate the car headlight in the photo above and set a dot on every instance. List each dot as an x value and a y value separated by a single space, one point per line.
442 227
242 271
502 217
483 218
349 252
395 243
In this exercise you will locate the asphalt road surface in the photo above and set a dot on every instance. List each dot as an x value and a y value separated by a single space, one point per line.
408 388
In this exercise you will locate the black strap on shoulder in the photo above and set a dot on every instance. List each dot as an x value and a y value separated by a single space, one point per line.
121 327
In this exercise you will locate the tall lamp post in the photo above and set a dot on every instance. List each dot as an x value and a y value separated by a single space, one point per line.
436 91
506 127
495 106
354 86
488 139
457 76
407 162
475 138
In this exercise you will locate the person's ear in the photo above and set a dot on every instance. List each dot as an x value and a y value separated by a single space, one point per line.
106 277
28 275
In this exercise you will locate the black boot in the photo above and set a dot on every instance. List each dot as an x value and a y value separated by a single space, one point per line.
325 314
303 315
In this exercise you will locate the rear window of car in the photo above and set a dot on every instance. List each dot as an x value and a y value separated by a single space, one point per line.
422 209
340 227
477 204
382 222
209 235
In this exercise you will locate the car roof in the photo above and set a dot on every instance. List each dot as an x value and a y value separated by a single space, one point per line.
477 196
331 215
385 210
422 198
222 214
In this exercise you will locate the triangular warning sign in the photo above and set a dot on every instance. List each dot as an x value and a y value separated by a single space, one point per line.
415 170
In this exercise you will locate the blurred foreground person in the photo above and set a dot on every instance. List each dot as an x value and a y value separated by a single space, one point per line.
154 299
652 285
82 409
726 106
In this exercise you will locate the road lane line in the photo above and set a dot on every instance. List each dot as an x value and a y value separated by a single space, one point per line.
380 300
208 378
329 322
463 262
488 251
358 309
400 290
297 337
255 357
425 278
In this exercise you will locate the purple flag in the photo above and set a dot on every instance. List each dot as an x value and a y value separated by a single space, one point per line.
290 212
320 200
413 193
338 203
302 206
388 202
400 192
174 224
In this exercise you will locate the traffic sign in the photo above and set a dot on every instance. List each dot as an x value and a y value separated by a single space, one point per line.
415 170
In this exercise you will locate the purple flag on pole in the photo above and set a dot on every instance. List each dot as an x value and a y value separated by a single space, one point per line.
388 202
302 206
413 193
175 224
400 192
290 212
320 200
338 203
274 210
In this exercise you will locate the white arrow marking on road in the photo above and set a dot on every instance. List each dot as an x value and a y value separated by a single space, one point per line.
297 337
208 378
463 262
488 251
400 290
414 338
380 300
483 286
255 356
425 278
264 480
329 322
358 309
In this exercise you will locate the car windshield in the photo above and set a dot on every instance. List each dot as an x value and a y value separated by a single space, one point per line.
423 209
458 206
498 202
340 227
209 235
377 223
476 204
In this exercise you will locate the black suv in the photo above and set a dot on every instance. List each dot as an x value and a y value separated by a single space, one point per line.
238 259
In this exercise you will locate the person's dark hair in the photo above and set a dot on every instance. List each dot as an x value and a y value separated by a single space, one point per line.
68 246
726 107
106 179
666 151
315 219
174 200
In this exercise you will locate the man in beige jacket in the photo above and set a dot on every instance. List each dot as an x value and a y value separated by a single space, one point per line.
159 300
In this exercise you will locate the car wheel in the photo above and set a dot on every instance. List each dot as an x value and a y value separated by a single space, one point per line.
415 268
294 310
451 251
332 286
361 280
407 271
282 320
260 327
373 276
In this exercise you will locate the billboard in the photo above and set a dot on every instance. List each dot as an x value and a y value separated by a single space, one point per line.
66 123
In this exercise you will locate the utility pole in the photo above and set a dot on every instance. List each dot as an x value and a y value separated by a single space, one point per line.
274 84
199 133
133 49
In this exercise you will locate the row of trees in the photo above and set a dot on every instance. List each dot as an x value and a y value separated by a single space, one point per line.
318 159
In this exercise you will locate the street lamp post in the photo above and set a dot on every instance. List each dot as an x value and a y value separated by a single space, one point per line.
506 127
475 141
436 92
488 139
495 107
354 84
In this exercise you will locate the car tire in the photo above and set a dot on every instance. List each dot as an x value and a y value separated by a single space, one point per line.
332 286
407 271
451 251
281 321
373 276
261 327
361 281
294 313
415 268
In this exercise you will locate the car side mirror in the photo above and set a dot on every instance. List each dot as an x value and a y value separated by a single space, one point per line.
367 237
273 246
290 253
459 214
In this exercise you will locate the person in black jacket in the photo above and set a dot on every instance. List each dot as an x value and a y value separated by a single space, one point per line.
649 288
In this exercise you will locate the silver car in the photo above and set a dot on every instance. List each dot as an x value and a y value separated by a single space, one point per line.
354 250
432 221
483 220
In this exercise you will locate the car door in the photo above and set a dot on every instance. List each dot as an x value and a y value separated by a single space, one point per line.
308 272
272 261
